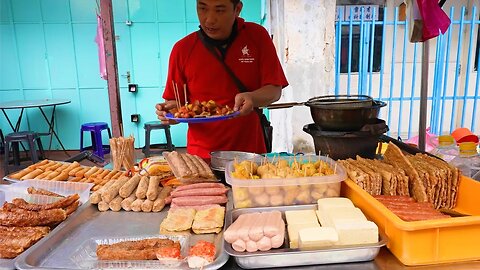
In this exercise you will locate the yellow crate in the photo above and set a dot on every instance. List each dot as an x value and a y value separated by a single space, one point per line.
430 241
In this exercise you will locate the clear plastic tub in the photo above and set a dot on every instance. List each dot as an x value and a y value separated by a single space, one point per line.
86 255
19 190
286 191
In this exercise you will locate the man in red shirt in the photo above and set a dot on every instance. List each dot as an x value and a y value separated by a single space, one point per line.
247 49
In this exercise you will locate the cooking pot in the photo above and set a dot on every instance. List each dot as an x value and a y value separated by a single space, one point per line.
348 144
339 112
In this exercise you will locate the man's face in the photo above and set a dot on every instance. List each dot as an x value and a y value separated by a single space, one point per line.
217 17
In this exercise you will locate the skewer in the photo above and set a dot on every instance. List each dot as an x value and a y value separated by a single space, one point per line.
185 94
335 169
175 92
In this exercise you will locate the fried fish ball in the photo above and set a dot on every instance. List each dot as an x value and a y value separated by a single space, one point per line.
320 187
304 197
243 203
272 190
256 190
240 193
261 199
290 195
315 194
296 165
276 200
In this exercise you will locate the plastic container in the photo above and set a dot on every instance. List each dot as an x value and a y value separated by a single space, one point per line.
430 241
286 191
86 255
19 190
464 135
446 149
468 160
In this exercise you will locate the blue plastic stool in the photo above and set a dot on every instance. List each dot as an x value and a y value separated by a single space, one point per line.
95 130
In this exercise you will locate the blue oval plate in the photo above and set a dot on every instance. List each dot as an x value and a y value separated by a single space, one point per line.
205 119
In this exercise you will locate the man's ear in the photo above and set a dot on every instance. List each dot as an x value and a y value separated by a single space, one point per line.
238 8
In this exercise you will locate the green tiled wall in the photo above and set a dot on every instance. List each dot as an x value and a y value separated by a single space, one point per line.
47 50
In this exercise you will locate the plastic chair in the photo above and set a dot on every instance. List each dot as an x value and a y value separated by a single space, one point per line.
154 125
14 139
95 129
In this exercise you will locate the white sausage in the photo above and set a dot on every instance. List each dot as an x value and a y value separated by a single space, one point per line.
242 231
251 246
264 244
255 232
271 225
239 245
231 233
277 240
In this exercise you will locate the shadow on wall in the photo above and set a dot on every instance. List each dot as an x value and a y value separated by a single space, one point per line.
301 145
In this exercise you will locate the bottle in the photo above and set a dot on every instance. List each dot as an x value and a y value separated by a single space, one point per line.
446 149
468 160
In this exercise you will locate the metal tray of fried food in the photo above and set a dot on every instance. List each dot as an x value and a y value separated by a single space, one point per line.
286 256
10 263
56 251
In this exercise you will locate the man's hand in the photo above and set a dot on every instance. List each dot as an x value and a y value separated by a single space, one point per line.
243 103
162 109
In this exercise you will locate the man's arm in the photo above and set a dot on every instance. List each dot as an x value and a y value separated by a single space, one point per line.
264 96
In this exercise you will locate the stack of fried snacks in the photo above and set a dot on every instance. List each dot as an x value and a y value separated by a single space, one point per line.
22 223
122 152
422 177
138 193
64 171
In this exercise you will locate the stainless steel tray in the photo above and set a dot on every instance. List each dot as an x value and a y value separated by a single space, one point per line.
10 263
56 250
285 256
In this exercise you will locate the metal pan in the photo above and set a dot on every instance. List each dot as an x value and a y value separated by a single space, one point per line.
330 101
285 256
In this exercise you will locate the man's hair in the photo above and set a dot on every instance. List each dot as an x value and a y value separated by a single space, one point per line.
235 2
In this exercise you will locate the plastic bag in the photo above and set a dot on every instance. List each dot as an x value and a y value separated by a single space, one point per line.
101 49
427 19
431 141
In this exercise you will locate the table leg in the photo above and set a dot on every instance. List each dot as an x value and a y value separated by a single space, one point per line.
51 130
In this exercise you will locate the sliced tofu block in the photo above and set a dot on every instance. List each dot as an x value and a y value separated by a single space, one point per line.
327 217
356 232
327 203
314 238
301 217
293 230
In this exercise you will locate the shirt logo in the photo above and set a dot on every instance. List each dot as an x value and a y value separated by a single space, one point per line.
245 51
246 58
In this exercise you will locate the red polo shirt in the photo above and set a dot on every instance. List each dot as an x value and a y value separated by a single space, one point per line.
253 59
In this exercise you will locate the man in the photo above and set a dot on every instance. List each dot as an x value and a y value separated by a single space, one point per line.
246 48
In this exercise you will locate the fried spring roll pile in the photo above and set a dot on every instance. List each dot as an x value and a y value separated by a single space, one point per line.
138 194
63 171
22 224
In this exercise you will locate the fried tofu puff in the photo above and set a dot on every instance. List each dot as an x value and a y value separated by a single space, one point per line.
308 169
282 163
265 169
